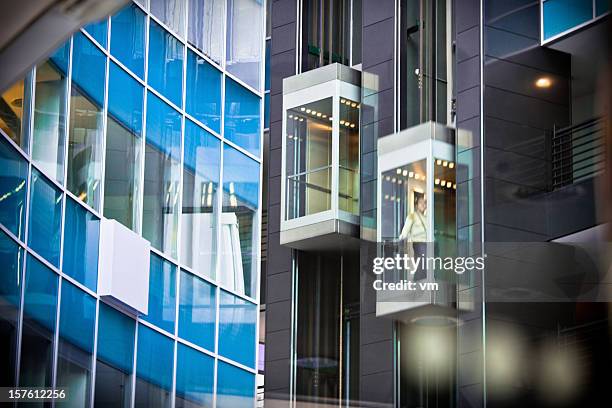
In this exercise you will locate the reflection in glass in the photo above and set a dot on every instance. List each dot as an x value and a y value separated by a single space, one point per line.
242 117
203 99
171 13
86 127
98 30
50 102
154 365
123 148
128 38
561 15
11 259
165 63
81 240
309 158
76 330
239 222
38 327
11 113
162 294
194 378
235 387
13 188
348 183
162 176
206 27
115 356
200 184
197 309
244 45
237 319
45 218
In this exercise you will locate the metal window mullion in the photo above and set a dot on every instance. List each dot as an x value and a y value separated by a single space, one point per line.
56 336
143 136
94 354
104 127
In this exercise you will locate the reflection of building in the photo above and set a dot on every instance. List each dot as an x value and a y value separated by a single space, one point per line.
130 165
510 89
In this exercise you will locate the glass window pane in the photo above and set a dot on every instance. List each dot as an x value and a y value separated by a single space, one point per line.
39 314
235 387
561 15
602 6
115 358
45 218
162 175
203 99
165 63
153 369
244 40
85 130
309 158
200 184
197 310
171 13
268 67
128 38
11 258
162 294
99 31
237 318
123 148
11 113
81 239
13 180
76 330
267 111
50 102
194 378
206 27
239 222
242 116
348 183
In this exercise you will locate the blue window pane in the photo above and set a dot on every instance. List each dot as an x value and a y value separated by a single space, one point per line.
162 176
11 258
243 45
162 293
165 63
194 378
602 6
115 338
171 12
205 28
200 185
88 66
76 330
561 15
242 116
128 38
203 99
39 314
45 218
197 310
235 387
123 148
267 111
81 239
153 368
98 31
61 56
77 316
237 319
267 71
239 225
13 179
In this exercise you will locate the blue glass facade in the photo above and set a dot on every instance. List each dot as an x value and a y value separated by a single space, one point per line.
561 16
134 122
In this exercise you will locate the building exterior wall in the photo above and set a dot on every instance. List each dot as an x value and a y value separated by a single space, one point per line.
191 104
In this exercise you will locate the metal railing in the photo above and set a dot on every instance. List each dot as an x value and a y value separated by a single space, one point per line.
578 152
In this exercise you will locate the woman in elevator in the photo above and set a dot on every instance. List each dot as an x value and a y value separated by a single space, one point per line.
415 231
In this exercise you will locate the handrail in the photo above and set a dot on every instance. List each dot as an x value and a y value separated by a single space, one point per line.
577 152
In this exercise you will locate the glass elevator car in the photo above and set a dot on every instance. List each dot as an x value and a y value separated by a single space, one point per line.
416 217
320 164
